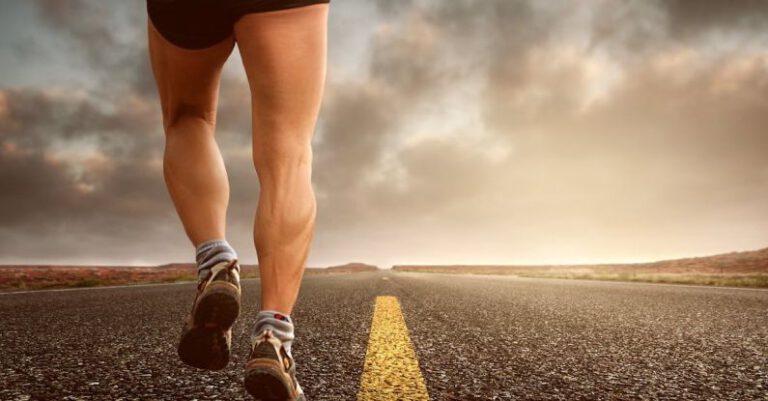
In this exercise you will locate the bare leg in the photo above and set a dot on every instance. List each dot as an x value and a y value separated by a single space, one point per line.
284 54
188 84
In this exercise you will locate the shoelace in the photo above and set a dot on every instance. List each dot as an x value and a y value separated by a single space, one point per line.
216 270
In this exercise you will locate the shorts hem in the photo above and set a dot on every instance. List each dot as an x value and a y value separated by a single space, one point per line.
239 11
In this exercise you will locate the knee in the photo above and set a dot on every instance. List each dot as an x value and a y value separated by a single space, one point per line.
284 152
183 112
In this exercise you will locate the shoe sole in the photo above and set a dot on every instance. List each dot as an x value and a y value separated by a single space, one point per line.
204 348
218 307
265 380
205 344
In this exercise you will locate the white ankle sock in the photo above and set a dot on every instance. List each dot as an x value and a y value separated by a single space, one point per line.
280 323
211 252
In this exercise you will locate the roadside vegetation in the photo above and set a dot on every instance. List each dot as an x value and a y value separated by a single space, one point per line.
25 278
720 280
734 269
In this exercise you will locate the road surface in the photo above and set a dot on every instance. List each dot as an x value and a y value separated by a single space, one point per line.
471 338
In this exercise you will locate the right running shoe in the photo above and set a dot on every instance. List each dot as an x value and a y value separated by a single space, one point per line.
270 373
206 337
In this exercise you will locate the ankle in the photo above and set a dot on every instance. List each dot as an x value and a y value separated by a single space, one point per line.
281 324
211 252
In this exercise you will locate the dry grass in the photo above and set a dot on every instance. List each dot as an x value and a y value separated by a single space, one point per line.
41 277
17 278
735 269
722 280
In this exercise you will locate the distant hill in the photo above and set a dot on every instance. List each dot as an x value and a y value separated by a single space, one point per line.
352 268
748 262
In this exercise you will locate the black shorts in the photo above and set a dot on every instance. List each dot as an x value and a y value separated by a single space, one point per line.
197 24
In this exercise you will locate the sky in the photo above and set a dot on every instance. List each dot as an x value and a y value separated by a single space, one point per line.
451 132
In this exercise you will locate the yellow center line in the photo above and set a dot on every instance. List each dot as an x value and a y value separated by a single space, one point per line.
391 370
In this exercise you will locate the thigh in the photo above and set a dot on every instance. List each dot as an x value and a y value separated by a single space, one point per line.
187 79
284 55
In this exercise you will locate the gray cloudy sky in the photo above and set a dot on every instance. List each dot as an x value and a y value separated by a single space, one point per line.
451 132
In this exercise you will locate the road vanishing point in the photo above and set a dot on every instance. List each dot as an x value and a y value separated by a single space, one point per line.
381 336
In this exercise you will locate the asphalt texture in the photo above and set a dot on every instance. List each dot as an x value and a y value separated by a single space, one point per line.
476 338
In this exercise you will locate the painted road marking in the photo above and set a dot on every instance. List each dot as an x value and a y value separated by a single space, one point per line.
391 371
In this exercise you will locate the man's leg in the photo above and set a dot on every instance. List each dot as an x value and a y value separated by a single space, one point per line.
284 54
188 84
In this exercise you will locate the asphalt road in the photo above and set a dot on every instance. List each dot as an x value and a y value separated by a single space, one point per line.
475 338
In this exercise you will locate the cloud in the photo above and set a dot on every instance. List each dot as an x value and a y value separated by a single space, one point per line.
66 161
689 18
548 129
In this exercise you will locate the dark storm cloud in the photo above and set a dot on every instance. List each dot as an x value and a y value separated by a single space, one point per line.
115 176
90 159
420 52
87 24
110 198
83 162
355 124
634 29
360 119
691 17
107 39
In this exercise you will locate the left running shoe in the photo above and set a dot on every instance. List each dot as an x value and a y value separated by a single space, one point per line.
206 337
270 373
